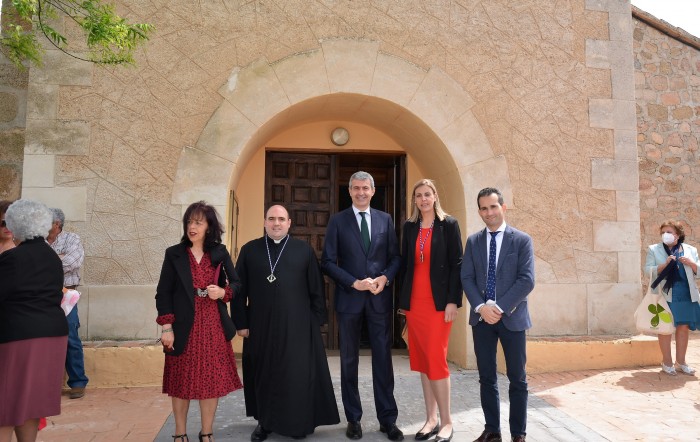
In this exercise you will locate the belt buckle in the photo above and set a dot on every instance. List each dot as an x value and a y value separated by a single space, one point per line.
202 293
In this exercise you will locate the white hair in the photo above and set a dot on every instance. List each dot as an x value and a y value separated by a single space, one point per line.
28 219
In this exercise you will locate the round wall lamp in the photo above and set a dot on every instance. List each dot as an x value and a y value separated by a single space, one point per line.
340 136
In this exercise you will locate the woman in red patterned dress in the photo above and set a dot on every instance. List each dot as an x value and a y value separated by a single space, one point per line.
199 360
431 257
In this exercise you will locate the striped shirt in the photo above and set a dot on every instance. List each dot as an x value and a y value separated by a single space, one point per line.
68 244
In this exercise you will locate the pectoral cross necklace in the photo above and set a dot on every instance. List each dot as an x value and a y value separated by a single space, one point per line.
272 278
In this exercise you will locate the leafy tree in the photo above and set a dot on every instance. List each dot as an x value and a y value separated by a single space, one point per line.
109 38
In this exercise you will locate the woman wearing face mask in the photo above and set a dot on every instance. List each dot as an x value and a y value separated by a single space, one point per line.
674 269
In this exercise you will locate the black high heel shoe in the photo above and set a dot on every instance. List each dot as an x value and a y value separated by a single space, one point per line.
182 437
210 437
429 434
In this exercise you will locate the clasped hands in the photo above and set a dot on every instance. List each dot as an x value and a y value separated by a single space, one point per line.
490 313
374 285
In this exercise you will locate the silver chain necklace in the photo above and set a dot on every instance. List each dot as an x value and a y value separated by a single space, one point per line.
272 278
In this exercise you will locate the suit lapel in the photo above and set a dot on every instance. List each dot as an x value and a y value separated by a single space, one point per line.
374 229
182 266
482 250
506 244
354 227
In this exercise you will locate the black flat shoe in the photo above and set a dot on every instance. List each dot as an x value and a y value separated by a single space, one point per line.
445 439
429 434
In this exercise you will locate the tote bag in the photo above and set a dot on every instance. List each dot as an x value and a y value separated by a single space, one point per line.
653 316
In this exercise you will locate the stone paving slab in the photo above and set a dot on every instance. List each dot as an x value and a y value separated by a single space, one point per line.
545 422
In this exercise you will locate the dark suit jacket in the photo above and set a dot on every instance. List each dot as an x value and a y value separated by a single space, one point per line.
31 283
175 292
445 262
515 276
344 259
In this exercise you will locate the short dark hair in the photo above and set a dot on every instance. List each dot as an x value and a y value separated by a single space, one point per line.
214 230
486 191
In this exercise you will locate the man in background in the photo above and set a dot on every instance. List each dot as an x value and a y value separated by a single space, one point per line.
69 248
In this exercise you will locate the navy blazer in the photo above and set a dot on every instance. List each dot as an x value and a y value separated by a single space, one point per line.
175 290
344 259
445 262
515 276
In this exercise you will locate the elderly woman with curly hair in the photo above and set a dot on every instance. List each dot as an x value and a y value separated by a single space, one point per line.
33 327
674 268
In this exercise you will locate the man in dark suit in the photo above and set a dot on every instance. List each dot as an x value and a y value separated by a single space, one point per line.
361 254
498 273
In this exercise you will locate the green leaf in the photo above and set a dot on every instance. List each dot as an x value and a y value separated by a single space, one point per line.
666 317
652 308
655 321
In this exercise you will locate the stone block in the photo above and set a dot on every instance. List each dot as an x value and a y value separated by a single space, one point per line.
39 171
303 76
627 202
612 236
628 266
72 200
60 69
492 172
612 114
611 308
226 132
256 92
466 141
42 101
10 181
558 309
57 137
440 100
8 107
350 64
122 312
614 175
12 142
395 79
614 6
625 144
189 185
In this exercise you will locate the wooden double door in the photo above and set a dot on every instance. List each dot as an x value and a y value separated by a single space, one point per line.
314 186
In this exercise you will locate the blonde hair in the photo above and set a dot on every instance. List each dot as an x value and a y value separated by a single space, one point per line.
415 213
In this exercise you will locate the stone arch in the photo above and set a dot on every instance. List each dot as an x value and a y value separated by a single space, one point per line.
425 111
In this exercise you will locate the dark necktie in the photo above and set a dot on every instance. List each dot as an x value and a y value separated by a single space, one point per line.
491 275
364 232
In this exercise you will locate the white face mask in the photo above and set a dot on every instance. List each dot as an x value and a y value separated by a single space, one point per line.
668 238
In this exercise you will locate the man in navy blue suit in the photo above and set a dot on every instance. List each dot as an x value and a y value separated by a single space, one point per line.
498 273
361 254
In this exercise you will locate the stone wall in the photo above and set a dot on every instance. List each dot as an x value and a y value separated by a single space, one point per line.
667 82
13 105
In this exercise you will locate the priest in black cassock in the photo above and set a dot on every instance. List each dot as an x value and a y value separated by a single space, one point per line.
280 311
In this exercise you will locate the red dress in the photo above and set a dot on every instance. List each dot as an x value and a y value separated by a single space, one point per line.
428 333
207 367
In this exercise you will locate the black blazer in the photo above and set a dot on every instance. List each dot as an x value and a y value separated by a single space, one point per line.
445 263
31 283
175 292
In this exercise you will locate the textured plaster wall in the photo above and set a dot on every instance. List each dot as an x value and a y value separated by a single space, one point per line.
667 83
550 85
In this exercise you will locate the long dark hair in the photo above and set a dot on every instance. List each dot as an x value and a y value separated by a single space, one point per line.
214 229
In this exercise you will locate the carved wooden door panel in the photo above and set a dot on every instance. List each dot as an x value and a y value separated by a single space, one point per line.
305 185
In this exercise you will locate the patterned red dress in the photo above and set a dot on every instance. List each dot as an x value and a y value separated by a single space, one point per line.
428 333
207 367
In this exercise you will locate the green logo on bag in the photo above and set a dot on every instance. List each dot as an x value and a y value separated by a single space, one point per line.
660 314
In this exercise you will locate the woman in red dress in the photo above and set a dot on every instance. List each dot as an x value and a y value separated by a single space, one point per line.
431 256
199 360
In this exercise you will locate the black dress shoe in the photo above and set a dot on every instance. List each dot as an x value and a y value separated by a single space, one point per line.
488 436
392 431
445 439
518 438
429 434
259 434
354 431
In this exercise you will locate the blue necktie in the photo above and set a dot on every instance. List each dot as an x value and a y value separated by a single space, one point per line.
364 232
491 275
